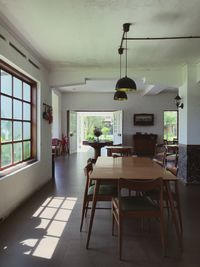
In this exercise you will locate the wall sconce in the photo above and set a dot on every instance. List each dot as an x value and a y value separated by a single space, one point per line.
177 101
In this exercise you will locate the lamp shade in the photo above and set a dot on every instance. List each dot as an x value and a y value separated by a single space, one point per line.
125 84
120 96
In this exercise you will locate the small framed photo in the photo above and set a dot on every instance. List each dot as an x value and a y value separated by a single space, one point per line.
143 119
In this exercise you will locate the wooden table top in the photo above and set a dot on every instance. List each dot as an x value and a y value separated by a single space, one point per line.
108 168
119 147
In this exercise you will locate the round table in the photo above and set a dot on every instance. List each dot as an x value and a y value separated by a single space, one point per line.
97 146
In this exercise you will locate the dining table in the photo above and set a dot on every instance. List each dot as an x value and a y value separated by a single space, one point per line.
111 169
122 150
97 145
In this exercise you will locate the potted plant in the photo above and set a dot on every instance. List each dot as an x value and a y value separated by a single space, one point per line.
97 133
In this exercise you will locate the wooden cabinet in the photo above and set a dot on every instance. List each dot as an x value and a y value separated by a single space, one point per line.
144 144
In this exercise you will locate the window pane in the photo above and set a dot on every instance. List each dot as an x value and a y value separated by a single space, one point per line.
6 131
17 152
6 107
17 109
26 130
6 155
27 149
27 92
26 111
170 125
17 130
17 88
6 83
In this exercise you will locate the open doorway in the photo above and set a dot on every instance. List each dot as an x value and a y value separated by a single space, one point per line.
82 123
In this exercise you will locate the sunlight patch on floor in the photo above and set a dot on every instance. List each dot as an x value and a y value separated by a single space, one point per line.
53 215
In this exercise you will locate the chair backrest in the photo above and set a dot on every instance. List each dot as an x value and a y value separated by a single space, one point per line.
172 149
140 185
91 160
55 141
159 148
175 140
88 169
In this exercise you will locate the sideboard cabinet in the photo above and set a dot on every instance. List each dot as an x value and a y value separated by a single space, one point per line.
144 144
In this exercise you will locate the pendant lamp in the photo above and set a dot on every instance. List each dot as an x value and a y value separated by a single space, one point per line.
125 84
120 95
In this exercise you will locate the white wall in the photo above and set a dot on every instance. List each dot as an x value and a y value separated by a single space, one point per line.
189 116
16 187
56 125
136 103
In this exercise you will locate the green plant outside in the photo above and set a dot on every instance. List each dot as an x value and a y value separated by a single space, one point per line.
90 122
170 125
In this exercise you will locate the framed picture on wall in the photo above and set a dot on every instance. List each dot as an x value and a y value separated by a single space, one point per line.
143 119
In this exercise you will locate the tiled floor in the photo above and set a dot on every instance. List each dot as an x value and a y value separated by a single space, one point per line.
44 231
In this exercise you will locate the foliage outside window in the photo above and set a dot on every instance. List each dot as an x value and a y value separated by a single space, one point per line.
170 125
17 117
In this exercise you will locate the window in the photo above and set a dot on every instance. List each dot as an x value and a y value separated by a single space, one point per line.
17 117
170 125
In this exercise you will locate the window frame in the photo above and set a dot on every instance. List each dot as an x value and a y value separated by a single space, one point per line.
172 110
33 119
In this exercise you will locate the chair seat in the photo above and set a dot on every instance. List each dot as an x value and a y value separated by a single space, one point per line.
136 203
104 190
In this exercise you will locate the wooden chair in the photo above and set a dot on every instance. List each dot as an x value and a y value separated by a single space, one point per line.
65 144
56 146
160 154
106 192
137 206
175 193
171 158
166 155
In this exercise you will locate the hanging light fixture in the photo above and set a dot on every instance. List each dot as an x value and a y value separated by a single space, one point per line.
177 101
125 84
120 95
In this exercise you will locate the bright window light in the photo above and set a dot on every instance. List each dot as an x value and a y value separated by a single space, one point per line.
46 247
53 216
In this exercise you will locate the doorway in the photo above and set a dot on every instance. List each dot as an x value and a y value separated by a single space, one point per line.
80 126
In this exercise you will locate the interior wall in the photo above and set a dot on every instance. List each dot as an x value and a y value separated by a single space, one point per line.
136 103
16 187
56 125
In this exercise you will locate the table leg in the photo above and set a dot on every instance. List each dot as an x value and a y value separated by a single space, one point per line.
97 152
96 190
174 215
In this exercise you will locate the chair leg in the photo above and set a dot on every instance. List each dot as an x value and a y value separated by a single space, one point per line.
120 238
178 206
84 210
96 190
176 223
162 233
113 220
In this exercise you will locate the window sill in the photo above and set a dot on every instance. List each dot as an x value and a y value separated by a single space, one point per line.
16 168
